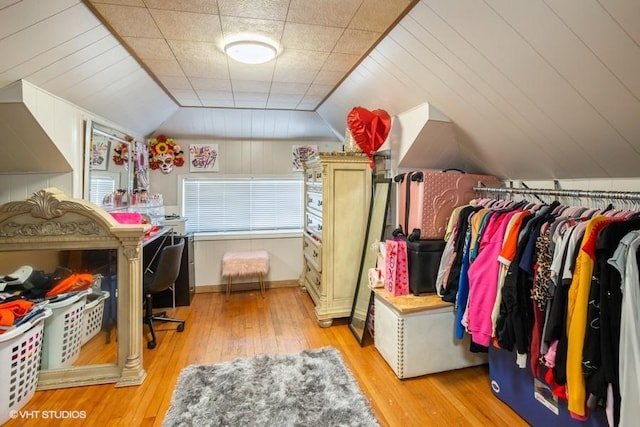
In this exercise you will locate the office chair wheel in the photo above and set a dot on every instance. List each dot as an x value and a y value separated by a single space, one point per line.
151 345
180 327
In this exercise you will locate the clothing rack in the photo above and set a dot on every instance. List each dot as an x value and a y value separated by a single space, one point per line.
580 194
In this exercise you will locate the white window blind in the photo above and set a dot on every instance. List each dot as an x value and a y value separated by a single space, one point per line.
100 187
242 205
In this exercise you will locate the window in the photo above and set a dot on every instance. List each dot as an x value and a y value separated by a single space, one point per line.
242 205
100 187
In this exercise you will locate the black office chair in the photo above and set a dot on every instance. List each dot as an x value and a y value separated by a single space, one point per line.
158 279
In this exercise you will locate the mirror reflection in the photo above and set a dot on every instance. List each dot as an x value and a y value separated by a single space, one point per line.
82 329
374 235
115 167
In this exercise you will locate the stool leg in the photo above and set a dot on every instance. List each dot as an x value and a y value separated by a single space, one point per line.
228 286
261 284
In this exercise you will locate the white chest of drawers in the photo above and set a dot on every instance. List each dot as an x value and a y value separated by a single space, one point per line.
337 194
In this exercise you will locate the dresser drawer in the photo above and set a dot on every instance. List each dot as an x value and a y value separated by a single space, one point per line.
314 202
314 225
312 251
313 277
314 175
317 175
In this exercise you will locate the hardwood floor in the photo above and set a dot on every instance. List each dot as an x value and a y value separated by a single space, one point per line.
282 322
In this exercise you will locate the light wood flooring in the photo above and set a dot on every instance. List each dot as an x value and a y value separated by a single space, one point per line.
282 322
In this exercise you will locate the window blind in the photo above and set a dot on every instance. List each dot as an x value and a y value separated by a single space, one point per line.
100 187
242 205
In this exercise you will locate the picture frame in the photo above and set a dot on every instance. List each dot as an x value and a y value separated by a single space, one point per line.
204 158
99 155
300 154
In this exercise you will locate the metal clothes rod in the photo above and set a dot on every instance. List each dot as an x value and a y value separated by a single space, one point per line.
611 195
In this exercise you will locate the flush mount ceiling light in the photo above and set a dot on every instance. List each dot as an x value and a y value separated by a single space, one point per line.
251 51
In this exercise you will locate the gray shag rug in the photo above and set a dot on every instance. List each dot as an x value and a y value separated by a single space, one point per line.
310 388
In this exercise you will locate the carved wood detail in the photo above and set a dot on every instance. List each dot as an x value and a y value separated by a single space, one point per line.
51 221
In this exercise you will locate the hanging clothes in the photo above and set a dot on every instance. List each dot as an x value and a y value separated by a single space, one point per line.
578 299
557 300
483 277
626 261
450 287
600 354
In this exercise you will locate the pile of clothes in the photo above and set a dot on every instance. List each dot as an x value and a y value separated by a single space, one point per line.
25 292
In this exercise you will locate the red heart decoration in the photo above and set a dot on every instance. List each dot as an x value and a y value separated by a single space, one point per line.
369 128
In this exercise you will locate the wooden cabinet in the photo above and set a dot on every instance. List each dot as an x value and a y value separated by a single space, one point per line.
337 197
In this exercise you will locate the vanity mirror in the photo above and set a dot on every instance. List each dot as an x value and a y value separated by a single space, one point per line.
374 234
115 166
42 232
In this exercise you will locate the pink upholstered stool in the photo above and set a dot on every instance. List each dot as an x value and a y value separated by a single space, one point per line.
245 264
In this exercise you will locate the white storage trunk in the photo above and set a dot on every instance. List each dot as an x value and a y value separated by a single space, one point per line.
415 335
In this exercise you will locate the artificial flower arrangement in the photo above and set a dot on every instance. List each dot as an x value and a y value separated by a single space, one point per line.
164 153
121 152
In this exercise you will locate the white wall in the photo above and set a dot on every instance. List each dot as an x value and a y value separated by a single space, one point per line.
22 186
239 158
587 184
285 257
235 157
64 123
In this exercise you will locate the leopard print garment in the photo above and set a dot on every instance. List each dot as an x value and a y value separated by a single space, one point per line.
540 292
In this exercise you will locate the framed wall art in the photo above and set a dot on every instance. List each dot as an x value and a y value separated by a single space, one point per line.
300 154
99 156
203 158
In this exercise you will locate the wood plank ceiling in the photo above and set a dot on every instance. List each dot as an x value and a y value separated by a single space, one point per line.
538 89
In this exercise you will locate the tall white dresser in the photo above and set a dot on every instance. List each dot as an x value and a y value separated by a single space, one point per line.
338 193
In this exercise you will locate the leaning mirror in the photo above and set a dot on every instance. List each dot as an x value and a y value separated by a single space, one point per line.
374 234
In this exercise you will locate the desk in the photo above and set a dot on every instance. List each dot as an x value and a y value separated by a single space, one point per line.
105 262
150 238
184 288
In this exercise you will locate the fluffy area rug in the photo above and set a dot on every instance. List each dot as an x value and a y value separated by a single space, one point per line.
310 388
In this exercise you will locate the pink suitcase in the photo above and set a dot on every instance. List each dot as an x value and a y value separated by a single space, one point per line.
427 199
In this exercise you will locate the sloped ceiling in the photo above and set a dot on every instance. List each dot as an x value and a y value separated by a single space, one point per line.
61 47
536 89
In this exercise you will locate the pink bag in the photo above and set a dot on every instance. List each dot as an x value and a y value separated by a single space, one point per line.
397 268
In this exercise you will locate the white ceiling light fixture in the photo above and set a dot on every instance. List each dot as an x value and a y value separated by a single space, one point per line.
251 51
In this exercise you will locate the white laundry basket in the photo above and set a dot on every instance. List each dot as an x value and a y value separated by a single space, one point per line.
93 314
20 353
63 332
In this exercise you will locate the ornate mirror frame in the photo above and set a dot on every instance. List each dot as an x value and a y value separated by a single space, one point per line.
50 220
